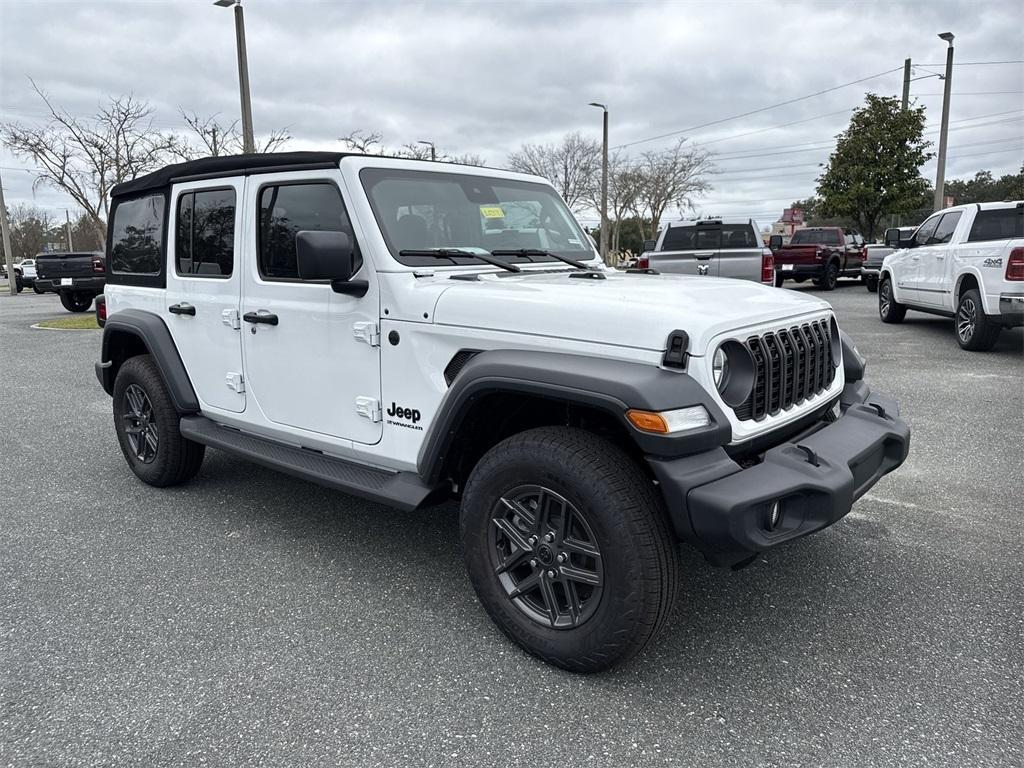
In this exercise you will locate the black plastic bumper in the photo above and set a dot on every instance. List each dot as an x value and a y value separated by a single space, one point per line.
85 284
725 510
801 270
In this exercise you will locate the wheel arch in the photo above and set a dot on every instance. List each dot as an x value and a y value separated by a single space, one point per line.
502 392
133 332
966 280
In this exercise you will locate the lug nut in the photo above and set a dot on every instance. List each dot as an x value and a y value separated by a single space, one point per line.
533 563
549 537
560 558
551 574
532 540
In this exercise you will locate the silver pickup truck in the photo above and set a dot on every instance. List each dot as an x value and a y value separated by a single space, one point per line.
712 247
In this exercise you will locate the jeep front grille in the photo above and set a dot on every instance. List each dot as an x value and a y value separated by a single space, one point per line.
790 365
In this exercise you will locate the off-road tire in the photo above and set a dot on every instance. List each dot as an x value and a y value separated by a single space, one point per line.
638 554
827 281
176 459
75 301
889 310
975 331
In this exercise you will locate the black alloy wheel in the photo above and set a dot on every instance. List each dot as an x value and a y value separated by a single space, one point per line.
139 425
546 557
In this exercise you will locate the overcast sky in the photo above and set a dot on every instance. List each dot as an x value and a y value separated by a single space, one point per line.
487 77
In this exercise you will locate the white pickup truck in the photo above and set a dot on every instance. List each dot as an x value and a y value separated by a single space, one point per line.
965 262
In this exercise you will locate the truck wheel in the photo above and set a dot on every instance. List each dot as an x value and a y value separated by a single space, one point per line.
871 283
568 547
974 330
827 282
75 302
779 279
890 310
36 288
147 427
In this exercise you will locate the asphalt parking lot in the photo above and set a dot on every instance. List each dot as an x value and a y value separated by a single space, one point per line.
252 619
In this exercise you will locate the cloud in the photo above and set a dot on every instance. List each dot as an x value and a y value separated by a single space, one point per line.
486 78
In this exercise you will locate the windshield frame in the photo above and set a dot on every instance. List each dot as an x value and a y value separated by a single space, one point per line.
370 175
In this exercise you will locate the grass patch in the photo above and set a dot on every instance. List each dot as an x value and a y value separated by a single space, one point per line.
84 322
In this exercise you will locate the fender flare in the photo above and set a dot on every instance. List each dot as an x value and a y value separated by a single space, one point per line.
152 332
613 386
964 272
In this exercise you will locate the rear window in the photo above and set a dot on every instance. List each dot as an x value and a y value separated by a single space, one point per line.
998 224
816 237
205 244
696 238
137 236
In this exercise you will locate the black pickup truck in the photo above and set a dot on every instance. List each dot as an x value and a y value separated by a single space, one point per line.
76 277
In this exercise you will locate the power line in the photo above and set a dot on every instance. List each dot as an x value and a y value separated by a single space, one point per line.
761 109
971 93
972 63
774 127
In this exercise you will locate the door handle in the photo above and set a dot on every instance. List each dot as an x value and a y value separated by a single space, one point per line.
940 256
260 317
182 308
702 255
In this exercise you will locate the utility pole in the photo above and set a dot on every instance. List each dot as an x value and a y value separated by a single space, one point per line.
906 84
433 149
67 219
5 232
604 181
940 171
248 144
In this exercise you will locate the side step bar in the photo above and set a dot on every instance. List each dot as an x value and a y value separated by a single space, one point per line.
404 490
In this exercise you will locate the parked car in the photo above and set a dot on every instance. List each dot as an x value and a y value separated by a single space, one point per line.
874 254
965 262
369 324
823 254
76 277
712 247
18 276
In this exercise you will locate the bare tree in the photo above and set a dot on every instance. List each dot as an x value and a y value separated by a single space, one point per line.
573 166
86 157
671 178
372 143
212 138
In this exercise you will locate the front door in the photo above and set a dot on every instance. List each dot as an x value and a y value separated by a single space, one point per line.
204 288
935 257
312 360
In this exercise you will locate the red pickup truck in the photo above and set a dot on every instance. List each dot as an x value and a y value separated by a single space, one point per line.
823 254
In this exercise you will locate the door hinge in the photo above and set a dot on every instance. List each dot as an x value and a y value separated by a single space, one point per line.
369 407
229 317
235 382
368 333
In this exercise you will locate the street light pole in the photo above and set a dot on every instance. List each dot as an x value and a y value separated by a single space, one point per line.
5 237
433 149
940 171
604 180
248 144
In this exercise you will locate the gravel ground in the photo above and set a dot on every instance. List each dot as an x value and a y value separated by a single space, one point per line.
251 619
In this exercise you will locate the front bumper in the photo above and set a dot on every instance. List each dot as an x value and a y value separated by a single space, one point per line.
725 510
1011 308
91 284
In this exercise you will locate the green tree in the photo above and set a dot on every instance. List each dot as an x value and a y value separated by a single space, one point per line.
874 169
984 188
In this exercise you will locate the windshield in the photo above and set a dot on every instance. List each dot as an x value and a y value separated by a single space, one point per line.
816 237
427 209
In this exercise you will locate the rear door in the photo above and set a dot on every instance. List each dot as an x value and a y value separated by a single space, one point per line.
739 254
689 249
204 288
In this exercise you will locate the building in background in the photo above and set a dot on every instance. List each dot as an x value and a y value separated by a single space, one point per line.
791 220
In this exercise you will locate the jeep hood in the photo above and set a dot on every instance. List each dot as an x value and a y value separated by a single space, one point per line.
628 310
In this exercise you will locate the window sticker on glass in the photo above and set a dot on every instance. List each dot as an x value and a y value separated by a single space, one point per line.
492 212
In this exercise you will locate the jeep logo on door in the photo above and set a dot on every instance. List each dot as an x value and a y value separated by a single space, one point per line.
396 411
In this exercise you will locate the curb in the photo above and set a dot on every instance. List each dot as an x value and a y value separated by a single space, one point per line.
38 327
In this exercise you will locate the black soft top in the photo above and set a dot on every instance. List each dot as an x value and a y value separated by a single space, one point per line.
227 165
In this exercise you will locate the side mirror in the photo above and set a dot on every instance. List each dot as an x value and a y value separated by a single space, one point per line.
892 237
775 242
650 245
322 255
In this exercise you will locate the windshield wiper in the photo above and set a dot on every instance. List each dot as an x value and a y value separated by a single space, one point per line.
527 252
450 253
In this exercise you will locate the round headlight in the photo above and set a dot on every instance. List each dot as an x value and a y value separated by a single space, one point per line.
733 370
720 367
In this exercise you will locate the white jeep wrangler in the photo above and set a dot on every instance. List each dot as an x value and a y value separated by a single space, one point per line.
413 332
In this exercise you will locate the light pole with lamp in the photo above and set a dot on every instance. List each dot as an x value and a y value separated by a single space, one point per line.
604 181
940 171
248 145
433 149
